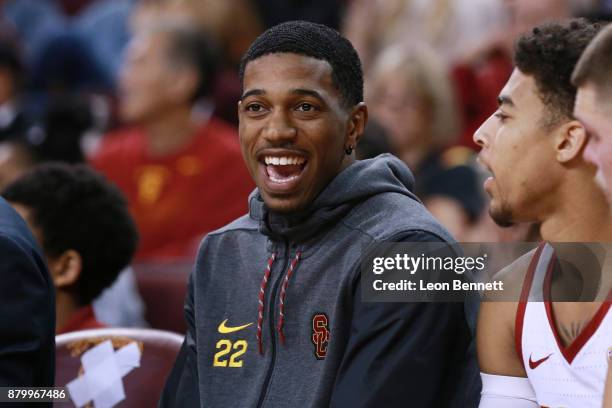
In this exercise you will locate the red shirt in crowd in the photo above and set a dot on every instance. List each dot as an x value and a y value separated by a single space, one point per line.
477 88
82 319
178 198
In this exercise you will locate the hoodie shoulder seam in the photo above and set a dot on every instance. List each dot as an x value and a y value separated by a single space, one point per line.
355 228
226 231
396 235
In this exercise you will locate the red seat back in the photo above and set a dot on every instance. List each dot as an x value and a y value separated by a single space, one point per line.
163 287
143 385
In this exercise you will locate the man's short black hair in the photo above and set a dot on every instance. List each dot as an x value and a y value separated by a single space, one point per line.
549 54
76 208
316 41
192 46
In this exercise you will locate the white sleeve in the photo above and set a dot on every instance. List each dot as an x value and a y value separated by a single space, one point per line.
500 391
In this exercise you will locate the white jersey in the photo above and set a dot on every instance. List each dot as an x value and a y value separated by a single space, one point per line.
569 377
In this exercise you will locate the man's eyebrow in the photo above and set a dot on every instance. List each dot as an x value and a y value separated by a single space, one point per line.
297 91
308 92
255 92
505 100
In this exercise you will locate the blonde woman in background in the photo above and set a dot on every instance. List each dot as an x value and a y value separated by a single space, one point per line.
411 95
450 27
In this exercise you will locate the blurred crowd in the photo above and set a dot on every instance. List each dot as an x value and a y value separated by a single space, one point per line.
145 92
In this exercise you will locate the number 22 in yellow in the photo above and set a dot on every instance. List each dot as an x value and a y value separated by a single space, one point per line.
225 346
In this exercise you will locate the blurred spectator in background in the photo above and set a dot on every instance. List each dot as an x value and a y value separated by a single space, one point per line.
103 25
411 95
473 38
180 167
83 225
481 70
232 24
447 26
56 136
451 29
66 64
100 27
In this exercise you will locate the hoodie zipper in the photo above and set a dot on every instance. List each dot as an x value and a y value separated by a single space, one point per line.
271 319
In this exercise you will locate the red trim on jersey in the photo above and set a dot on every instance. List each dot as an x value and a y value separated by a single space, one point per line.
571 351
520 312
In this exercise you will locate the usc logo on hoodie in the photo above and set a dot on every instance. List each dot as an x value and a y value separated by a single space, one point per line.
320 335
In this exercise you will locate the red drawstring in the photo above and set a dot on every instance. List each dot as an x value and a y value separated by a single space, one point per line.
262 294
283 294
281 320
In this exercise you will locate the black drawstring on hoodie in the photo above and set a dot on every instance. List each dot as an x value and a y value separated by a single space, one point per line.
283 294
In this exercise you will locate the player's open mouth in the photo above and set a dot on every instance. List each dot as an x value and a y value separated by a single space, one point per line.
283 172
490 177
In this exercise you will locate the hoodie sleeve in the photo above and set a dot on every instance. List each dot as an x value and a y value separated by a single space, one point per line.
181 389
408 354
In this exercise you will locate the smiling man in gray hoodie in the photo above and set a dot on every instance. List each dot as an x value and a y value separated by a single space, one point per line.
274 309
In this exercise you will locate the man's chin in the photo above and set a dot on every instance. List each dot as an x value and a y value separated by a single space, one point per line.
502 216
282 205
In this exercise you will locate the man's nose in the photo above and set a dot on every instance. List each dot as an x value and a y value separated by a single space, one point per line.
482 135
279 128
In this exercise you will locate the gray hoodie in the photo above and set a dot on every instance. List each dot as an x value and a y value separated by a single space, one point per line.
275 317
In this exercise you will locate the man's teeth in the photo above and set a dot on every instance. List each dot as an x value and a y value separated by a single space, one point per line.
283 161
283 180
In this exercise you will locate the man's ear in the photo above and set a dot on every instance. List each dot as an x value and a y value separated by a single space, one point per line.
357 122
238 105
66 268
570 140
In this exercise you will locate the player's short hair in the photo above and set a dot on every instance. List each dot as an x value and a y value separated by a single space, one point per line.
595 64
189 45
549 54
316 41
76 208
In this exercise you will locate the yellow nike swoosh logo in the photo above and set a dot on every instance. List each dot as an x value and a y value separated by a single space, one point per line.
223 329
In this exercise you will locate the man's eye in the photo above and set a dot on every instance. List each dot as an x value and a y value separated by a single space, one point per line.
500 116
254 107
305 107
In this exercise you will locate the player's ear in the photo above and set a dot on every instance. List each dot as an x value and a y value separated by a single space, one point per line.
66 268
357 121
570 141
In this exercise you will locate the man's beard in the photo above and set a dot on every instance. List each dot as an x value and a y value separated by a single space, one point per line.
502 216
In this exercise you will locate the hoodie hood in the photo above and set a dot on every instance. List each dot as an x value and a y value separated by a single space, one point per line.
355 184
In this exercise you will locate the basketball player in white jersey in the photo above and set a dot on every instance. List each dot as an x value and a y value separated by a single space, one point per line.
549 354
593 108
